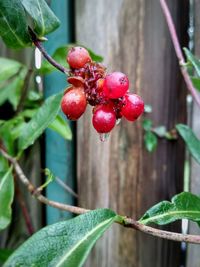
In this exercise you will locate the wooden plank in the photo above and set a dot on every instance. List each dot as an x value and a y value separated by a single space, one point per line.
193 253
133 38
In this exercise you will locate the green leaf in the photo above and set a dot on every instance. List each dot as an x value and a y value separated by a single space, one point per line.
9 68
66 243
182 206
192 142
60 56
5 254
13 24
150 141
147 124
94 56
193 60
62 127
50 178
6 198
196 82
44 19
12 90
40 121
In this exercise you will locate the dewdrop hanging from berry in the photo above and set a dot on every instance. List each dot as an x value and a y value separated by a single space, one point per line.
107 93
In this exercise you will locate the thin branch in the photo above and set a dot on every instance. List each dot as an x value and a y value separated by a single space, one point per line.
66 187
178 51
25 211
127 222
37 43
24 90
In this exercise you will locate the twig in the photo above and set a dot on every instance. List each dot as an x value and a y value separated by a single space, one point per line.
37 43
127 222
24 90
66 187
178 51
24 211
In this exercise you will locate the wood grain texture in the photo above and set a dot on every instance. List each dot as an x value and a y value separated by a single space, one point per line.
132 37
193 253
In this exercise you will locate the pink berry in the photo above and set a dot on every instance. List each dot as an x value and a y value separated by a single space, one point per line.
74 103
115 85
104 119
77 57
133 108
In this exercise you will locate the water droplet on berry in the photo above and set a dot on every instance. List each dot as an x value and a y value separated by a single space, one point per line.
104 137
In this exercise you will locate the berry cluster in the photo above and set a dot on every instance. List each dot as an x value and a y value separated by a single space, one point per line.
107 93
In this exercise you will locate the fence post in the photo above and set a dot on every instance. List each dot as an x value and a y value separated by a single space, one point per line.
119 174
193 254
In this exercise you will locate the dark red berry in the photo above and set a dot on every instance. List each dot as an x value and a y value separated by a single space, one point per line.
104 119
133 108
115 85
77 57
74 103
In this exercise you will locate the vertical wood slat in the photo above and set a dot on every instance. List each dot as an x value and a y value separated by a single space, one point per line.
193 254
119 174
59 153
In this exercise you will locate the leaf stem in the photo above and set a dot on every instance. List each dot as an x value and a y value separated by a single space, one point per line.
178 51
37 43
127 222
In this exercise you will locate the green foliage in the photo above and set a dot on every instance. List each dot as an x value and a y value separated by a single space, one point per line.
4 254
65 243
6 195
60 56
44 19
195 63
150 141
193 60
182 206
14 23
61 126
9 68
192 142
40 121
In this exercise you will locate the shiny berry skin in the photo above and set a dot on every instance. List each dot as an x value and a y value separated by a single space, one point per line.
77 57
133 108
115 85
104 119
74 103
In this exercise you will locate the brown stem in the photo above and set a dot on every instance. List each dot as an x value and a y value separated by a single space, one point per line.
24 209
127 222
24 91
37 43
178 51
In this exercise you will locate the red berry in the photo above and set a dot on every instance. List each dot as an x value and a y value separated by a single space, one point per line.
133 108
104 119
116 85
77 57
74 103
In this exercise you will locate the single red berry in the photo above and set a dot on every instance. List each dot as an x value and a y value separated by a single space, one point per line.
77 57
74 103
104 119
133 108
115 85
